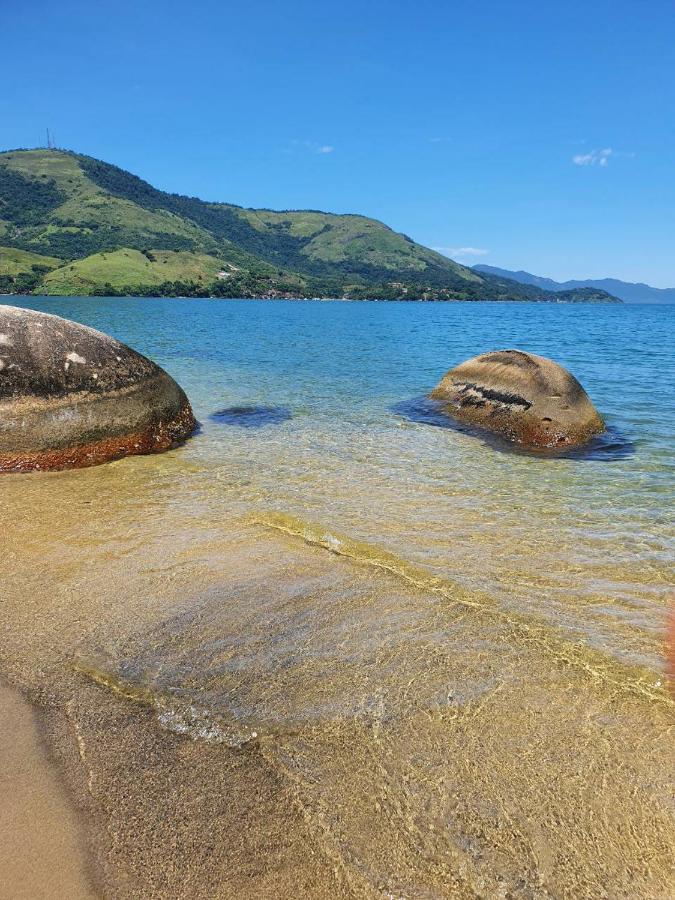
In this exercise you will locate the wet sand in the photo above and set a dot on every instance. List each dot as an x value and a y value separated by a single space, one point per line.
41 852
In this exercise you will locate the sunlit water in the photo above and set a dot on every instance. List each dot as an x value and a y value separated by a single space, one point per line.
452 652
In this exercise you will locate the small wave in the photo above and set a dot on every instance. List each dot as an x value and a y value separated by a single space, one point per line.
565 648
184 718
200 724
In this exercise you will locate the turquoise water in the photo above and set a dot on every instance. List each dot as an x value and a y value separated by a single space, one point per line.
585 541
443 658
350 360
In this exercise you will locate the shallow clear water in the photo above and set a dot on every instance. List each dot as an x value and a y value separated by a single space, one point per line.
584 540
478 612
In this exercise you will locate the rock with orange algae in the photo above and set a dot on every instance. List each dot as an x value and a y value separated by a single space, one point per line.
527 399
72 397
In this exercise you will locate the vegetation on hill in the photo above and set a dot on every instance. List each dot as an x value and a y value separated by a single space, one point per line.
105 230
120 270
21 272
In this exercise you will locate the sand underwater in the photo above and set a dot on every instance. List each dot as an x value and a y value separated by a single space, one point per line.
329 649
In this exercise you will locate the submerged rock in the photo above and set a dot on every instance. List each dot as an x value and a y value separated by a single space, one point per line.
522 397
71 396
251 416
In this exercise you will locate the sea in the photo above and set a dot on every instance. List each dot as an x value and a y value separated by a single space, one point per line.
343 646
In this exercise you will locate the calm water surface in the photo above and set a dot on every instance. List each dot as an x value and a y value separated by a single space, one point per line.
413 624
338 386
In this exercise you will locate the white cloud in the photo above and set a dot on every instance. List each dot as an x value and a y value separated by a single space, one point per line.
594 158
462 252
306 146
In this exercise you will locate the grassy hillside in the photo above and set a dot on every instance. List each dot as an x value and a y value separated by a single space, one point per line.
21 271
16 262
124 271
106 231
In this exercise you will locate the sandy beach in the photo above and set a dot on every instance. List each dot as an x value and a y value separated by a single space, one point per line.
41 840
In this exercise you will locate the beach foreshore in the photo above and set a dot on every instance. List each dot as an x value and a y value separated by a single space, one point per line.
41 842
345 654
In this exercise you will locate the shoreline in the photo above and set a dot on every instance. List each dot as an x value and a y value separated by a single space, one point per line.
41 842
551 302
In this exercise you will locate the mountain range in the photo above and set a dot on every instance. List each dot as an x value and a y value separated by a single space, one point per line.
73 225
625 290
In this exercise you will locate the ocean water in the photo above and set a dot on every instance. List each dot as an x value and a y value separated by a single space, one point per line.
449 652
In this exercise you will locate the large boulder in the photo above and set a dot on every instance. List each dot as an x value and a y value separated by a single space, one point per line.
71 396
522 397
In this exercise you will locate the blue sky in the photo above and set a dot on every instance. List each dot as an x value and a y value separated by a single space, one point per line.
536 135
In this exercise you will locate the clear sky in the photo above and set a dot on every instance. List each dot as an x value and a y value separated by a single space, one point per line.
520 133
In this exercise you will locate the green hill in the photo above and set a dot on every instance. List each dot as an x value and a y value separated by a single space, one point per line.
118 268
87 227
21 270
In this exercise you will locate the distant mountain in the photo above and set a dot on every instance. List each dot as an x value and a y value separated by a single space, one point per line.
71 224
625 290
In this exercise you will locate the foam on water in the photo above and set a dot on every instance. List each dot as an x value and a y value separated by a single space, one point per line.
182 718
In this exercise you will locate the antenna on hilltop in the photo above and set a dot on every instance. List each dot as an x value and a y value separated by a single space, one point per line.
50 140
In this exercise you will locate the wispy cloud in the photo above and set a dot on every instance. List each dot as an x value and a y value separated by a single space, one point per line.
305 146
594 158
462 252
